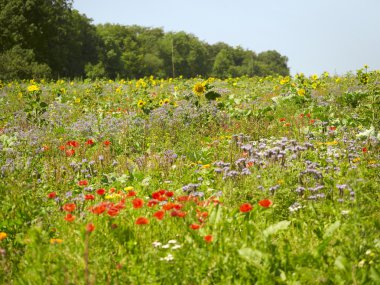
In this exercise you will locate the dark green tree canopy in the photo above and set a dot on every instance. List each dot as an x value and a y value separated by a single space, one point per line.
49 38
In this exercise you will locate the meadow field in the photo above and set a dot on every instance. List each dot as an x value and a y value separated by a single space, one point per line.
244 180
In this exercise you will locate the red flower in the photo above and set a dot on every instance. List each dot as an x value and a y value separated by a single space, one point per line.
195 226
99 209
308 115
73 143
246 207
89 197
52 195
107 143
69 207
137 203
312 121
90 227
332 128
208 238
62 147
266 203
156 195
142 221
89 142
101 191
282 119
70 152
131 193
70 218
162 191
169 194
159 215
113 211
364 149
152 203
83 183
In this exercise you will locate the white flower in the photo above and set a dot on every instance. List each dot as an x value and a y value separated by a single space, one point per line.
169 257
166 246
156 244
176 246
172 241
345 212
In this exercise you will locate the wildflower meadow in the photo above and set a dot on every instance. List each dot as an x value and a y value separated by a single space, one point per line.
249 180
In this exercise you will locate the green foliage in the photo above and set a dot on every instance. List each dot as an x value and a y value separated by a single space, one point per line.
18 63
65 41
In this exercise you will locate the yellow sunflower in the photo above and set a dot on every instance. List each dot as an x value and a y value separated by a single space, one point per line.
199 88
141 103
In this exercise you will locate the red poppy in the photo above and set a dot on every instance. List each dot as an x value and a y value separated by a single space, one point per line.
101 191
52 195
89 142
169 194
312 121
364 149
152 203
250 164
159 215
73 143
282 119
246 207
156 195
99 209
90 227
195 226
162 191
178 214
137 203
332 128
302 115
89 197
83 183
69 207
287 125
113 211
131 193
142 221
107 143
70 152
168 206
266 203
70 218
208 238
308 115
62 147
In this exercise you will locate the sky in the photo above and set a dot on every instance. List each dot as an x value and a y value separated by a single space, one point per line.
337 36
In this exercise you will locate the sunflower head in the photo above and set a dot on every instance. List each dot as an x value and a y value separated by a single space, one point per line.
141 103
199 88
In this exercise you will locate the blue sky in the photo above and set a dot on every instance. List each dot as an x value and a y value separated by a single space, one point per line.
337 36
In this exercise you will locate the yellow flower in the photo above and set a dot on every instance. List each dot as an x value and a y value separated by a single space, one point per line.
166 101
56 241
77 100
2 236
205 166
32 88
199 88
141 103
161 103
301 92
129 188
314 77
284 80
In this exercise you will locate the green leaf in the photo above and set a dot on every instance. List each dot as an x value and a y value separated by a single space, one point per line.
251 255
212 95
283 225
331 229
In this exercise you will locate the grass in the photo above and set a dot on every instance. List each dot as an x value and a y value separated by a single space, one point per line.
145 182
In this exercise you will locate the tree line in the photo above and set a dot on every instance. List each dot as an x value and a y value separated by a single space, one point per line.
48 38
